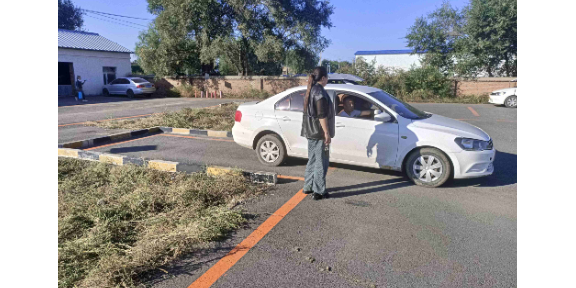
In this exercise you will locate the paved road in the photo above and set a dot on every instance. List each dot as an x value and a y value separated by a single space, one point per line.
101 108
377 230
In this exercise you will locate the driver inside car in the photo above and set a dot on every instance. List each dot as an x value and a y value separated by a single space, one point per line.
349 110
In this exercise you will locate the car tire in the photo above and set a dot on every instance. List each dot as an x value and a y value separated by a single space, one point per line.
511 102
105 92
130 94
270 150
435 161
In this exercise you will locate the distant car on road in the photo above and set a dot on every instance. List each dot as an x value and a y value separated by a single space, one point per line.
337 78
129 86
506 97
429 148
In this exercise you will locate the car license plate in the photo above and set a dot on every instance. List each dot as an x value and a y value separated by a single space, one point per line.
148 86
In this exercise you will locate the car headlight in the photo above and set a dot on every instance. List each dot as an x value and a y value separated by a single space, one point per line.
495 94
473 144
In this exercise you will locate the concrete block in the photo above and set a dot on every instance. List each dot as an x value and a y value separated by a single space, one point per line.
163 165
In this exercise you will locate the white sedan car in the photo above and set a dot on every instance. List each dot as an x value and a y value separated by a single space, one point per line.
429 148
506 97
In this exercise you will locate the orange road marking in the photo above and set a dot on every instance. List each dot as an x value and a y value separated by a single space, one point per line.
107 145
330 169
290 177
216 271
107 119
192 137
473 111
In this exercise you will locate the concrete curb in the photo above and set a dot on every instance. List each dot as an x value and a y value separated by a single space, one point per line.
209 133
109 139
268 178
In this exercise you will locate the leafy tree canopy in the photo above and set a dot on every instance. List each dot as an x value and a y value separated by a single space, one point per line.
69 16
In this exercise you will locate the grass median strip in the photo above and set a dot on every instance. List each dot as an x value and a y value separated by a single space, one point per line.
212 118
115 223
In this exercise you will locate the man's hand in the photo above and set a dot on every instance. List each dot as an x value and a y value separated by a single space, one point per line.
327 138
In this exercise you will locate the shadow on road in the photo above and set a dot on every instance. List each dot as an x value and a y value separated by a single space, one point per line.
71 101
505 173
370 187
133 149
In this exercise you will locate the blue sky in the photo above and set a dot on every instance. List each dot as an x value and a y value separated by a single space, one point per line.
358 24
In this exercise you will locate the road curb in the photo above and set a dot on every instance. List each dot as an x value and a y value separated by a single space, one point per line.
268 178
209 133
109 139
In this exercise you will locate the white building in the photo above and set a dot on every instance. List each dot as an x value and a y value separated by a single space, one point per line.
93 57
398 59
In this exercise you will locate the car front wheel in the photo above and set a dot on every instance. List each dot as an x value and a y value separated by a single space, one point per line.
511 102
428 167
106 93
130 94
271 150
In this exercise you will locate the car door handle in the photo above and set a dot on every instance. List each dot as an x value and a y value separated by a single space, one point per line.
286 118
340 125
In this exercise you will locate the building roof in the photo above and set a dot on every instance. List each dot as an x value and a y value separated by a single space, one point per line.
338 76
377 52
87 41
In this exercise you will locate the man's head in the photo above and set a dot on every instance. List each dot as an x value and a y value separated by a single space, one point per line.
348 104
79 78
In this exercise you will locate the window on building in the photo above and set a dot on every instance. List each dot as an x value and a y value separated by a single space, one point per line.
109 74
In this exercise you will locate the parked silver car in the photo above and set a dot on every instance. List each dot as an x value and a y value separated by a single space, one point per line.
129 86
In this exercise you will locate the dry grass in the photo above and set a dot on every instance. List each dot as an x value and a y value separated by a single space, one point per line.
117 222
214 118
483 99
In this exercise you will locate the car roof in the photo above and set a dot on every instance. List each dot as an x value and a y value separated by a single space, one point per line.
339 76
346 87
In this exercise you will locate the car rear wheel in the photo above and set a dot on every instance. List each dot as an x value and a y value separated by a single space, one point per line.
105 92
511 102
428 167
271 150
130 94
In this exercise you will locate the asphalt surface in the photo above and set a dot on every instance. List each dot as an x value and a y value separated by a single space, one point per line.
97 108
377 230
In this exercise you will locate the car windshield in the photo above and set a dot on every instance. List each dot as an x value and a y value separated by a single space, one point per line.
139 80
403 109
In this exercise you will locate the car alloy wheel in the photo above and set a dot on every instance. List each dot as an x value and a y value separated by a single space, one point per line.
271 150
511 102
106 93
130 94
428 168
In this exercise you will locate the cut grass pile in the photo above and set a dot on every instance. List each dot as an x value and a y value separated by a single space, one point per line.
213 118
117 222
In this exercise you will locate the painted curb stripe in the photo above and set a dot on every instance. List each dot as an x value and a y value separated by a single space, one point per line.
181 131
217 133
112 159
163 165
222 266
66 152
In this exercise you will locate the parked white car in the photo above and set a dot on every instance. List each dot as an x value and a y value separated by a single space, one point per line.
129 86
506 96
429 148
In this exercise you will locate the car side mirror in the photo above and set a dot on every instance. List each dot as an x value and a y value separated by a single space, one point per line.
382 117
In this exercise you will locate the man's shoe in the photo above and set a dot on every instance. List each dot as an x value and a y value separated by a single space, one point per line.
307 192
316 196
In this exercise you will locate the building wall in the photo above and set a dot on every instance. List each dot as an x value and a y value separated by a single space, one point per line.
88 64
398 61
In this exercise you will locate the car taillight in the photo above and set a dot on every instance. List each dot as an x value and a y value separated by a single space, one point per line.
238 116
140 86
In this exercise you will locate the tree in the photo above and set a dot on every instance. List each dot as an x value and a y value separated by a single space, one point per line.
301 60
334 65
69 16
437 34
492 35
247 33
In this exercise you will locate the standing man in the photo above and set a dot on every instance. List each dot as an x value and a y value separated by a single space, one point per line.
79 84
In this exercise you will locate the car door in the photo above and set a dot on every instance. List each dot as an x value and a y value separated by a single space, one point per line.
288 112
112 86
124 85
365 142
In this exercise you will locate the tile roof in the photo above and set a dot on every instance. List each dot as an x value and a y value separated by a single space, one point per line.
87 41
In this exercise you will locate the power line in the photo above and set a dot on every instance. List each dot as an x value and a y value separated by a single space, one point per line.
119 19
113 22
117 15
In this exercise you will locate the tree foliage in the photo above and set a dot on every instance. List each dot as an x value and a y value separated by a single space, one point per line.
335 65
252 36
69 16
479 38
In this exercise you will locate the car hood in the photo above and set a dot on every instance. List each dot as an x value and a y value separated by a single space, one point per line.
451 126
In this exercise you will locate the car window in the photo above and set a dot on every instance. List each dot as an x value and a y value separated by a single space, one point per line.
297 101
125 81
114 82
138 80
360 104
283 104
400 107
